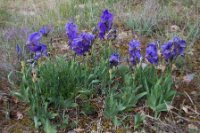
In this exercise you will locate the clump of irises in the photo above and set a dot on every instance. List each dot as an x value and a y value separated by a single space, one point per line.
34 45
173 48
81 43
169 50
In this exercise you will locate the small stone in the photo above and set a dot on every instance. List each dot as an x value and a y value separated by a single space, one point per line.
174 28
122 35
188 78
72 131
193 93
19 116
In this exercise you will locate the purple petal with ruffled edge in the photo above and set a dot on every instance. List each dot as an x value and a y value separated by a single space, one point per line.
71 31
34 38
107 18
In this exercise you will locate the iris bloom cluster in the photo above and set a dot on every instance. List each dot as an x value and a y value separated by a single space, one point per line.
35 46
173 48
82 43
135 52
105 23
79 43
170 50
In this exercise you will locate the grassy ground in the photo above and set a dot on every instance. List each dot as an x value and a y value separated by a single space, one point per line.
147 19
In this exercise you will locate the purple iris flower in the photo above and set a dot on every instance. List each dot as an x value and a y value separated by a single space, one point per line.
114 59
152 53
105 23
134 52
166 50
179 46
44 30
82 43
88 39
102 29
35 46
173 48
71 31
77 46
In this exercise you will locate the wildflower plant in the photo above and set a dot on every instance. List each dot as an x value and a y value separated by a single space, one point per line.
62 84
